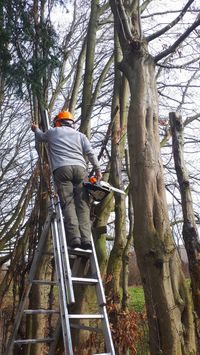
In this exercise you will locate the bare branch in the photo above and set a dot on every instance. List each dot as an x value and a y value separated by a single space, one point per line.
173 47
187 87
124 21
144 5
191 119
181 66
171 24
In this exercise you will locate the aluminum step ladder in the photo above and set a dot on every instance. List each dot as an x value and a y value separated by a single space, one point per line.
65 282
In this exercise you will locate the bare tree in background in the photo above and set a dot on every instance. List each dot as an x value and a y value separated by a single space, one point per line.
190 232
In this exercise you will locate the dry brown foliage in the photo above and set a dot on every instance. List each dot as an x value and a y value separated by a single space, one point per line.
124 328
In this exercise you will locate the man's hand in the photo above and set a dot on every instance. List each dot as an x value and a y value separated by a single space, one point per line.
99 175
34 126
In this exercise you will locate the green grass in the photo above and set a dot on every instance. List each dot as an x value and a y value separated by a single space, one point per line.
137 304
136 299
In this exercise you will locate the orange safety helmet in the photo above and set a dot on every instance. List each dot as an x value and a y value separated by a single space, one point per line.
63 115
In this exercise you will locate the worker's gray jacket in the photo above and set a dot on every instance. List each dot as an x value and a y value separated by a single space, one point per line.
67 147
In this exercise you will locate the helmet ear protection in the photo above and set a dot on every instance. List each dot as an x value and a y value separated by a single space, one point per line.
62 117
56 122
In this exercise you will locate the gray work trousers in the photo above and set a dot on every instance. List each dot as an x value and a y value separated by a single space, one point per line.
74 201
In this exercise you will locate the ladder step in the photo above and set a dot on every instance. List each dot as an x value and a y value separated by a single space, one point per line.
79 251
33 341
41 311
84 280
86 316
44 282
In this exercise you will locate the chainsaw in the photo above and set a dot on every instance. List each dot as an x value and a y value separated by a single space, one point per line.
100 189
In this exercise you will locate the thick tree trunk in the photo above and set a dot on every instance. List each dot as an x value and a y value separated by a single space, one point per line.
190 233
167 298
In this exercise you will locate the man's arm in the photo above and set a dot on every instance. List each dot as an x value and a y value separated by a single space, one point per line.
39 135
91 157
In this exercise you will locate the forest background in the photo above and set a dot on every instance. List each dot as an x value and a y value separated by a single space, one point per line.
129 72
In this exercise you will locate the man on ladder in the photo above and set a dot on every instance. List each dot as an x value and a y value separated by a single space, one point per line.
67 149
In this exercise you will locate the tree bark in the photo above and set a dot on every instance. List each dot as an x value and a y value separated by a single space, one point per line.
77 78
167 298
117 153
125 257
190 232
89 66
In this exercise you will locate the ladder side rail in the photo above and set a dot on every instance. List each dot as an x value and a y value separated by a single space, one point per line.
65 255
62 245
63 301
95 270
40 247
62 236
107 331
18 320
45 120
26 292
102 301
63 252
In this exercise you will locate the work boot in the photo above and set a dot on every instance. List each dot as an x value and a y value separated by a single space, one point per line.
86 244
75 243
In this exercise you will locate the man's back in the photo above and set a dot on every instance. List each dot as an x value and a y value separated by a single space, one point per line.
66 147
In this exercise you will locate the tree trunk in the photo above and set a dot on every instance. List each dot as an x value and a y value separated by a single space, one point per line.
125 257
167 298
168 302
190 233
77 79
117 152
89 67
